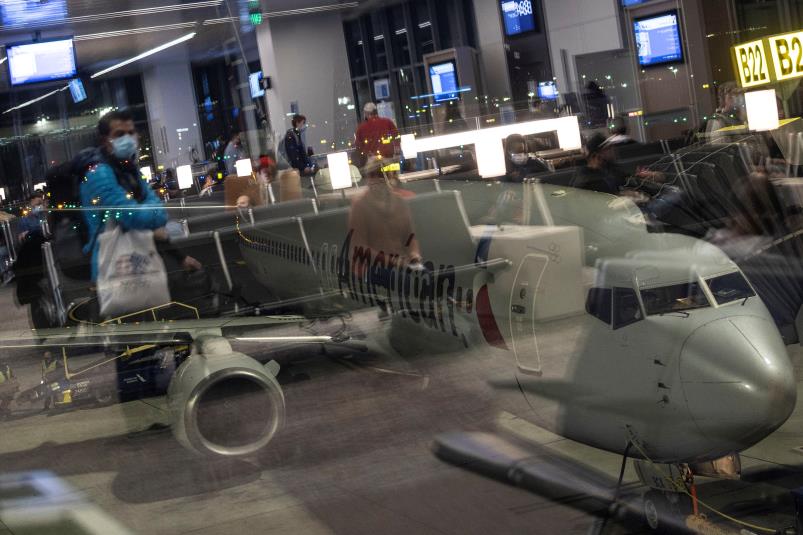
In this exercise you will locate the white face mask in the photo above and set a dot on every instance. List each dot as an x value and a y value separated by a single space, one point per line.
125 147
519 158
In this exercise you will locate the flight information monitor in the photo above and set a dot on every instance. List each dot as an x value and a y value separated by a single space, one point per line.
44 61
547 90
255 83
518 16
658 39
77 90
444 81
31 12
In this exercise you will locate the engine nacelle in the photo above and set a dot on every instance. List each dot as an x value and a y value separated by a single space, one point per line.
224 403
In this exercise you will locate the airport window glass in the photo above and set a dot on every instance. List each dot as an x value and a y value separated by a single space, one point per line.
400 36
422 21
730 288
626 308
676 298
356 47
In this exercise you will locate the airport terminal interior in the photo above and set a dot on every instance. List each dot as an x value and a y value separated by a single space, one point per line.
401 266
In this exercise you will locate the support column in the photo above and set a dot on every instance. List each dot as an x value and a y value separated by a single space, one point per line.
491 43
172 110
305 58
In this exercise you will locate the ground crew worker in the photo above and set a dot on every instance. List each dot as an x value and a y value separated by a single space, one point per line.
8 387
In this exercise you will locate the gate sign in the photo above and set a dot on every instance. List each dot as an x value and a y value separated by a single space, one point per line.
787 55
752 64
773 59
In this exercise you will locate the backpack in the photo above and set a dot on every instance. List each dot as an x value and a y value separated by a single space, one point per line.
69 230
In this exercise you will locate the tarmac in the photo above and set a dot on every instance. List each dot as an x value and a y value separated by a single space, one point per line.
354 457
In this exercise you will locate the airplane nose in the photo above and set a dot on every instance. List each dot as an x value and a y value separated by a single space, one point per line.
738 381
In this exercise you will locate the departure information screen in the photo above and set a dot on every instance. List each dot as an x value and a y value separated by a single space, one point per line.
444 81
658 39
518 16
41 62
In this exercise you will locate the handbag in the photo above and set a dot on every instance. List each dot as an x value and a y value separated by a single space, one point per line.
131 274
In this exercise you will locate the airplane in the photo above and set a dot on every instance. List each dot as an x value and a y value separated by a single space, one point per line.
614 335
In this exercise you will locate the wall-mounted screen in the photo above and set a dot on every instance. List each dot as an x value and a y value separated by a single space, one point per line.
255 83
77 90
658 39
518 16
31 12
444 81
547 90
44 61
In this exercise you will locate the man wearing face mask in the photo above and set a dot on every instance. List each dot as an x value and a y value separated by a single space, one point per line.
114 180
294 147
234 152
519 163
31 224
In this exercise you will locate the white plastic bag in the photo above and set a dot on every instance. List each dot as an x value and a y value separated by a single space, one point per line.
131 274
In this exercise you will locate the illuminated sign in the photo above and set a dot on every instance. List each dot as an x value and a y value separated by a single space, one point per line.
787 55
752 64
773 59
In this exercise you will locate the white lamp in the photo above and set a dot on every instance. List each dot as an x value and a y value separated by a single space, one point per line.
3 194
339 170
243 167
40 186
184 175
762 110
147 174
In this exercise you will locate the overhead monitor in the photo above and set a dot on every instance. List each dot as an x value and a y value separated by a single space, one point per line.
43 61
77 90
255 83
41 186
518 16
547 90
658 39
184 176
146 173
31 12
444 81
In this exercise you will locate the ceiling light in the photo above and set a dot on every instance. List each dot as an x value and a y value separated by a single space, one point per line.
146 54
3 60
35 100
134 31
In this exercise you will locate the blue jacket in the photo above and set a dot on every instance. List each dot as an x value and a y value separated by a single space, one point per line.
102 187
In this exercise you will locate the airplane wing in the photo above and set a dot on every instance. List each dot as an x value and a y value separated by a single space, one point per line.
177 332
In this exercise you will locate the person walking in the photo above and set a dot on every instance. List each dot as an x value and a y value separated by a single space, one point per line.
295 151
375 136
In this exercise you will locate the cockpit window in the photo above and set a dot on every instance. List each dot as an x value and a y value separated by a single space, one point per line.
626 308
676 298
729 288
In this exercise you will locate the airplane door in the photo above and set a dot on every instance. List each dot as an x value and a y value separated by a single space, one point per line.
522 313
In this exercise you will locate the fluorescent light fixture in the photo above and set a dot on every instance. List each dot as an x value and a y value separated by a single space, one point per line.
339 170
3 60
147 174
488 141
40 186
762 110
150 52
244 167
184 175
35 100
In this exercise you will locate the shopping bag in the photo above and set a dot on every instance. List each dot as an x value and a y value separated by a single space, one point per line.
131 274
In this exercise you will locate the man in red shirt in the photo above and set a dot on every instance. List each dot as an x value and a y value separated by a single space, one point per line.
376 136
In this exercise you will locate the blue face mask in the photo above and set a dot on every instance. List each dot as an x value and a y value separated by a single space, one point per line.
125 147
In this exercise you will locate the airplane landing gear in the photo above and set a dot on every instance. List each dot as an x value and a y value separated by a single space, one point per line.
665 512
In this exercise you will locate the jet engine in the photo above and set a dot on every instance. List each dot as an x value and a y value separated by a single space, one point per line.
224 403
